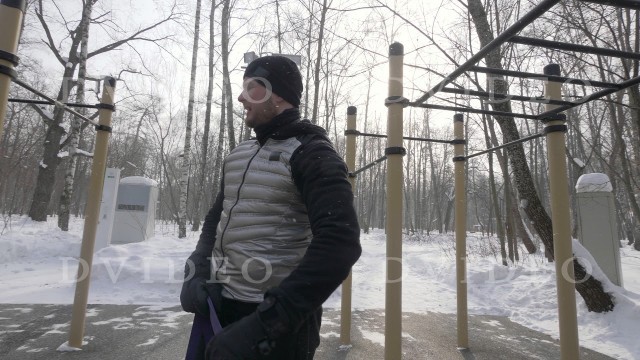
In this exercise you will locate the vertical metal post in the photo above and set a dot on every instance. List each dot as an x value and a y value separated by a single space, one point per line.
461 230
345 313
559 185
393 298
76 331
11 13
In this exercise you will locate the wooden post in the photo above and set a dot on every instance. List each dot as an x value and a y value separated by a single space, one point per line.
555 130
76 331
345 313
394 153
11 14
461 231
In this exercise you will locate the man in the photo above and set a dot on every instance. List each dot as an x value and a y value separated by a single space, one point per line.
282 234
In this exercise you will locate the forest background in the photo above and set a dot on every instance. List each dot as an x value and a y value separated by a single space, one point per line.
180 63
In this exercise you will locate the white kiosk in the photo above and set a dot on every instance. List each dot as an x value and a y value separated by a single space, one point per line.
135 215
107 208
597 226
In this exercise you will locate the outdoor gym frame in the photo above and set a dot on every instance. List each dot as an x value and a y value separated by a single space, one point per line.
11 16
554 132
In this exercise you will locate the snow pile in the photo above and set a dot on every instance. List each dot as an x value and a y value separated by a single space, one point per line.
595 182
138 180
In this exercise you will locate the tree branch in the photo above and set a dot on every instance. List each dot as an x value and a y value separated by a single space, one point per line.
133 37
50 44
40 112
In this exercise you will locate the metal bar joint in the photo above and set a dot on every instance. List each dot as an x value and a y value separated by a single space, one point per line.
395 150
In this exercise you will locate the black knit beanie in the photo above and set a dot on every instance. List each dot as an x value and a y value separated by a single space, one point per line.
279 73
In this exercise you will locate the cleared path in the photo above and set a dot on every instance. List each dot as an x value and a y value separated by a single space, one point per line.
159 332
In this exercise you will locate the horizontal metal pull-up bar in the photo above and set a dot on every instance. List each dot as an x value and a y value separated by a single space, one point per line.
596 95
573 47
495 97
512 30
57 103
358 133
46 102
629 4
524 139
552 78
368 166
474 111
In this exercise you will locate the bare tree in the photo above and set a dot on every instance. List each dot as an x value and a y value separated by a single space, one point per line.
199 204
227 7
54 132
590 288
67 193
316 77
186 153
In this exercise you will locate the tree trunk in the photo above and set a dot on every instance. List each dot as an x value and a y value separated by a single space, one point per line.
436 188
207 124
625 175
50 160
365 186
447 215
217 166
515 220
523 233
509 226
47 170
494 197
186 154
228 94
316 77
279 36
67 192
308 75
632 69
590 289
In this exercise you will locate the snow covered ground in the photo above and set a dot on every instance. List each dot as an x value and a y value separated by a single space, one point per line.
38 264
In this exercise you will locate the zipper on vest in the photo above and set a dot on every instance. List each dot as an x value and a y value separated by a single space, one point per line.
244 175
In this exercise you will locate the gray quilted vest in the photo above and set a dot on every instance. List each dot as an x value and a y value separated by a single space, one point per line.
264 229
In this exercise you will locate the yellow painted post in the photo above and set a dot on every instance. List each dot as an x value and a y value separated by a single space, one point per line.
345 313
461 231
394 153
559 185
11 14
76 331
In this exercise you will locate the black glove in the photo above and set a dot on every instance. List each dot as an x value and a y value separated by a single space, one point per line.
194 294
253 337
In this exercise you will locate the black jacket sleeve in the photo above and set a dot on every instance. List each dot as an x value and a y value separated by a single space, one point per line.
200 259
321 177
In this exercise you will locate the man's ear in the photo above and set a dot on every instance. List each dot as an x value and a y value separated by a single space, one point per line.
277 99
279 102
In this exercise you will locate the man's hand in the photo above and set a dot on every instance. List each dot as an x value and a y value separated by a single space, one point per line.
194 294
252 337
244 339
